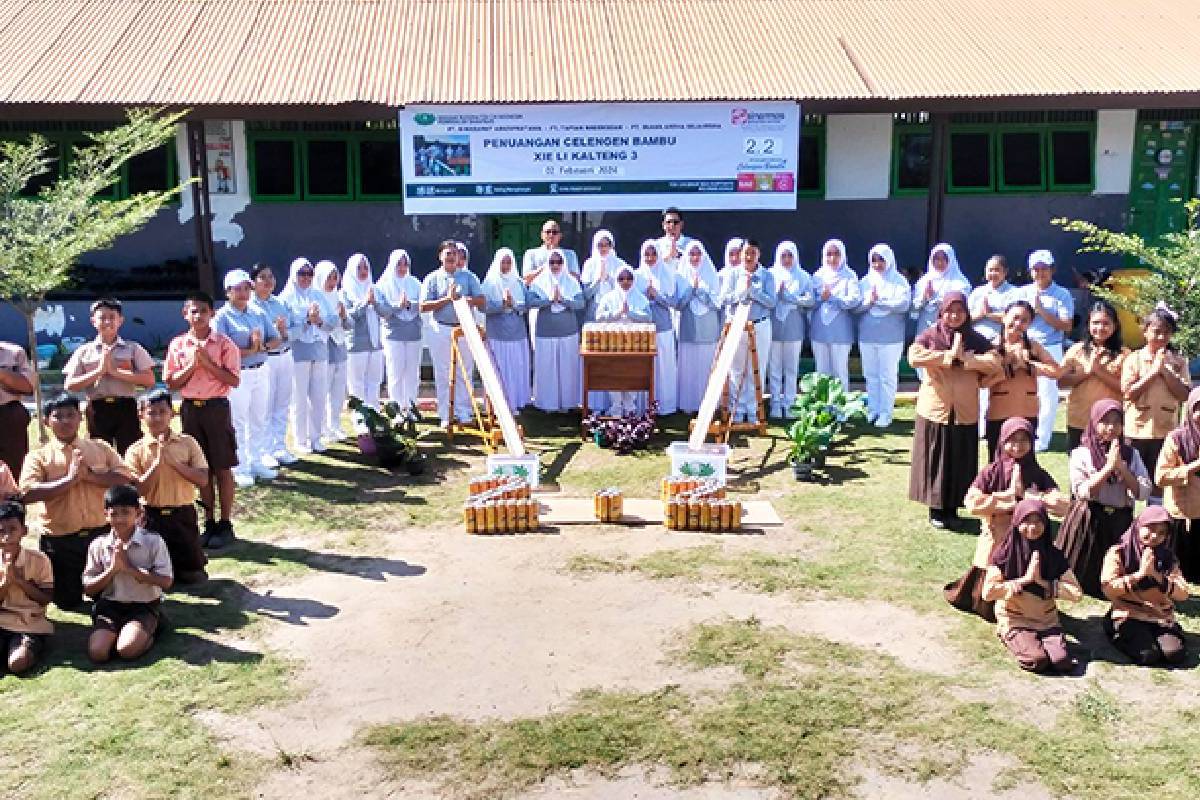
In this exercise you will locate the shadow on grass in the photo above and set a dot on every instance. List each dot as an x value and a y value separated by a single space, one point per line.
1089 632
368 567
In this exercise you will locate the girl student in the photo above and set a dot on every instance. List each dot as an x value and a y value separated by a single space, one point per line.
793 297
945 454
1012 476
1178 472
1026 576
556 374
508 336
398 295
365 370
1143 580
626 303
326 281
942 276
1092 369
310 320
1155 382
598 278
656 280
882 318
279 366
831 327
699 324
1107 478
749 283
988 302
1013 391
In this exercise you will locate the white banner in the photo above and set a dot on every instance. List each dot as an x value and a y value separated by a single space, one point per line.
599 157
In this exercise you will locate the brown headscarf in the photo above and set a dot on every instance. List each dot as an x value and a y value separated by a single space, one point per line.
997 476
1091 437
1131 547
1014 553
1187 435
940 336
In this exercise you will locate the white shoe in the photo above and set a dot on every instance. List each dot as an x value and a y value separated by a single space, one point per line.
303 450
263 473
243 480
882 422
318 446
283 457
269 461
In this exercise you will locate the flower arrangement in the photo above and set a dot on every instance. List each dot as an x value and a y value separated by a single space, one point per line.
623 434
388 434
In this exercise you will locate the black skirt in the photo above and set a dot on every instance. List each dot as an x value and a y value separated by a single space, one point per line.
1186 533
1087 532
945 459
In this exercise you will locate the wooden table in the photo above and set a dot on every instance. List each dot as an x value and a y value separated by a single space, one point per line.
617 372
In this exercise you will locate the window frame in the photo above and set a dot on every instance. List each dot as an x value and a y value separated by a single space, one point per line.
816 130
358 137
252 140
65 143
897 132
1042 133
351 158
990 131
1048 147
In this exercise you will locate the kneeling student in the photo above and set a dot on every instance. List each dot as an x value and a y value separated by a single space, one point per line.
168 467
26 588
127 571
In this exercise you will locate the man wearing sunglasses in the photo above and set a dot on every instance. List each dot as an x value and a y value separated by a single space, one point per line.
535 258
673 242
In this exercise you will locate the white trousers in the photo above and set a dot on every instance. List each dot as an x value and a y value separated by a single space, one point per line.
248 407
403 360
666 376
881 369
279 379
365 376
696 361
337 377
783 373
622 403
439 353
512 365
833 359
741 379
558 382
1048 402
309 403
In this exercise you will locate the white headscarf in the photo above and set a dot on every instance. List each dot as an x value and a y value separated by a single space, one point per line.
708 275
740 244
564 280
614 301
598 264
660 276
324 269
496 281
829 276
890 285
785 276
391 285
949 280
293 295
354 291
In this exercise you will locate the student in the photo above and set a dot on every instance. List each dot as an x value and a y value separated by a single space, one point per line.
749 283
556 373
882 318
733 257
280 368
109 371
942 276
656 280
310 321
533 262
365 374
26 588
8 484
1013 391
793 297
626 303
673 243
945 455
167 468
128 569
1107 478
508 338
1027 574
203 365
16 381
599 271
1177 472
1155 381
439 290
699 324
326 281
1013 475
1054 313
1143 581
832 326
63 484
253 335
1091 369
397 301
988 302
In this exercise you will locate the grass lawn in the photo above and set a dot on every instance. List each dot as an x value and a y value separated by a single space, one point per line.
800 710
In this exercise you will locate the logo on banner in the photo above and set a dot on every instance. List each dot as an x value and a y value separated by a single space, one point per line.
739 116
424 119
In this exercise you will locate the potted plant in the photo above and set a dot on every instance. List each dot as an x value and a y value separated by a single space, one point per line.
623 434
388 435
810 436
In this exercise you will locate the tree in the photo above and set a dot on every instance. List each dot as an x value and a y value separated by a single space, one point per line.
1173 278
42 236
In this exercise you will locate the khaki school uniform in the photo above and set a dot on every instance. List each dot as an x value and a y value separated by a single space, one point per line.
1153 604
1027 610
1015 395
18 613
1181 486
949 389
1156 412
1085 393
170 498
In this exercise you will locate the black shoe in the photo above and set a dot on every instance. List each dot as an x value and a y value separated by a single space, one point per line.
222 535
937 518
953 521
210 528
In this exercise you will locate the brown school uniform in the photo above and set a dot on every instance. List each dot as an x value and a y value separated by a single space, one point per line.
171 499
14 419
1012 393
1181 498
111 408
1085 393
18 613
126 599
1029 625
66 524
8 484
1152 416
1142 615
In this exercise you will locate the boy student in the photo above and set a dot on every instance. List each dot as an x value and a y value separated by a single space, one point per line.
64 482
167 467
128 569
16 381
203 365
26 584
109 371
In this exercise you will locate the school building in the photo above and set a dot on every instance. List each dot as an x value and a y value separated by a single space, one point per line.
969 121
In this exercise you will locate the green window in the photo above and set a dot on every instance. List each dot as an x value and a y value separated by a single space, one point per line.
324 161
1021 160
912 148
970 167
810 182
